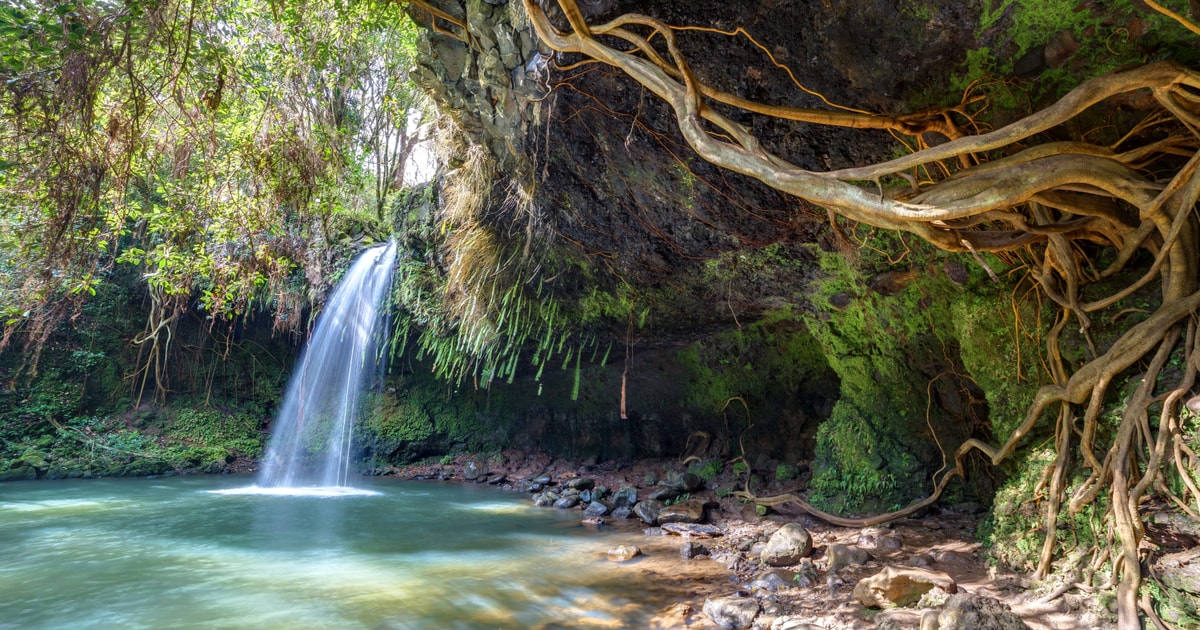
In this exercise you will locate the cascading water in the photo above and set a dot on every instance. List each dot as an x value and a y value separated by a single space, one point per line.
311 441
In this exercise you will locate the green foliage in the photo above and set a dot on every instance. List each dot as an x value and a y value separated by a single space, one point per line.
1010 532
1104 32
786 472
417 416
216 430
891 332
707 470
756 362
237 141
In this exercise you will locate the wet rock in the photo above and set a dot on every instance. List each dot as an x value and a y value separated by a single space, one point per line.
731 612
693 530
585 496
596 509
581 484
624 553
683 512
544 480
625 497
965 611
567 502
787 546
771 580
473 471
19 473
691 550
648 511
838 557
497 479
545 499
622 513
900 586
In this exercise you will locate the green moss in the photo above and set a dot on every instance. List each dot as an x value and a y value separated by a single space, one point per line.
894 331
707 470
755 362
211 428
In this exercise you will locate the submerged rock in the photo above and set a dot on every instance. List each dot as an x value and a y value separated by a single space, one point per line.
731 612
787 545
624 553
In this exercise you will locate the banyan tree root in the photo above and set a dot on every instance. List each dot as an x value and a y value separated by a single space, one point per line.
1055 201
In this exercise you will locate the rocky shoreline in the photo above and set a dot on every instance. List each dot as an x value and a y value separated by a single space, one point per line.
778 570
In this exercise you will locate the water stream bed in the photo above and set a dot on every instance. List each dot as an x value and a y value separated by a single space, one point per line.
171 553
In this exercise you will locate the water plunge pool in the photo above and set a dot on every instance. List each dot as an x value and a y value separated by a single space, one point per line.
171 553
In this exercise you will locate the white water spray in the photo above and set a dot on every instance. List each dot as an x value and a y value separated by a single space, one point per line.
311 442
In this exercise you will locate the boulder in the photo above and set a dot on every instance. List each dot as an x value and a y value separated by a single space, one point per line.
900 586
596 509
691 511
567 502
648 510
731 612
622 513
964 611
626 496
581 484
624 553
473 471
787 546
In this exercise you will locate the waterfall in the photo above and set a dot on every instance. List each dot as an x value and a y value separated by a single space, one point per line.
312 438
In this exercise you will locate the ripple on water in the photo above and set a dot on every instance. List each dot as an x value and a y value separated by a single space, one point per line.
302 491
